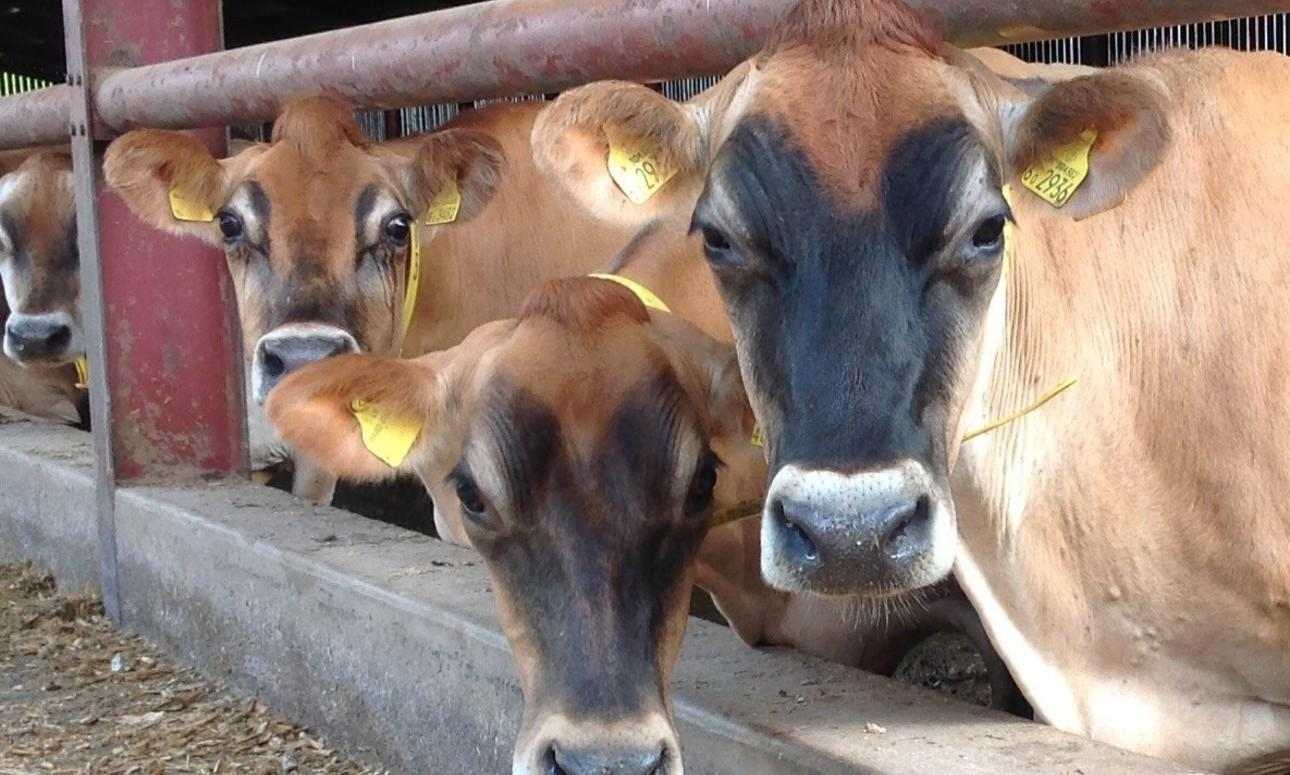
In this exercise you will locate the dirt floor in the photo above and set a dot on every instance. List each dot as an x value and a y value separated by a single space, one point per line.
79 696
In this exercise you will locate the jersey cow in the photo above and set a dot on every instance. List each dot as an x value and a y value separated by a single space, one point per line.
1127 543
39 307
319 225
576 448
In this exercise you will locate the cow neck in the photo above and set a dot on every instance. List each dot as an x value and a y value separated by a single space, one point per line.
993 476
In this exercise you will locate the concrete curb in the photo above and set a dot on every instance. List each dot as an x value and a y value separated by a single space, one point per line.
386 640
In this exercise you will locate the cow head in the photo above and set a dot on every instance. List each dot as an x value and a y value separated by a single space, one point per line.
316 224
579 442
39 262
854 218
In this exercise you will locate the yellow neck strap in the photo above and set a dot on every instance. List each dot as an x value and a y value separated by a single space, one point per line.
443 209
412 284
82 365
647 297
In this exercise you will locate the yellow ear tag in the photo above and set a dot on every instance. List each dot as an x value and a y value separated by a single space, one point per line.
639 172
186 209
388 438
1056 179
758 436
82 365
445 205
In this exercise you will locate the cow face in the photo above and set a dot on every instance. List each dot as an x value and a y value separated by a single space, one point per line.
39 262
316 224
579 443
854 217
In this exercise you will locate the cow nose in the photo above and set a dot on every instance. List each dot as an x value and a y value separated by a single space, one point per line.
607 761
37 337
863 533
280 354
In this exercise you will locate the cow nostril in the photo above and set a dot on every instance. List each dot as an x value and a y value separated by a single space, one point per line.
607 761
274 367
902 524
59 338
797 541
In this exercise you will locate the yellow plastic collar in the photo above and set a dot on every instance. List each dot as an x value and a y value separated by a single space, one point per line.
413 283
82 365
646 296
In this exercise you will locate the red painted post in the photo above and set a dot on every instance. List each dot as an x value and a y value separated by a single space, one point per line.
170 338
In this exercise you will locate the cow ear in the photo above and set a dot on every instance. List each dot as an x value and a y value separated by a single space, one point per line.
169 180
709 372
358 417
454 174
1114 121
624 152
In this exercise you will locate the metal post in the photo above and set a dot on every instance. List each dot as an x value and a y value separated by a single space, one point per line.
165 356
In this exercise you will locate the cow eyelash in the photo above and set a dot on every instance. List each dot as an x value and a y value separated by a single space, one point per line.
468 494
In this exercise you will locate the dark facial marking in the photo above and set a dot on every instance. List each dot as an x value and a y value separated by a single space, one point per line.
363 211
528 434
590 561
51 275
263 211
922 174
847 312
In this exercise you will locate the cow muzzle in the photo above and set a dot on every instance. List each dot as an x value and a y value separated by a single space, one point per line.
45 338
287 348
640 746
874 532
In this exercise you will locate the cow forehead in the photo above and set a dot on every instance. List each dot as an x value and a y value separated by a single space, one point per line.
585 378
37 202
323 188
845 112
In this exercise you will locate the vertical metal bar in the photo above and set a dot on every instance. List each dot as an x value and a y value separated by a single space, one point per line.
165 356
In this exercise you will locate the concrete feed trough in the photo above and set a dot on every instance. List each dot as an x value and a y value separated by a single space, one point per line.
387 640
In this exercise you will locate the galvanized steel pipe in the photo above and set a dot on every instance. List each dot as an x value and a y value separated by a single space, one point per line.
506 47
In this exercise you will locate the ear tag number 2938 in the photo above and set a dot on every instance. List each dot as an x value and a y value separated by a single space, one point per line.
1056 178
639 172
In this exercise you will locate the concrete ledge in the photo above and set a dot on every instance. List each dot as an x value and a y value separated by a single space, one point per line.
47 507
386 640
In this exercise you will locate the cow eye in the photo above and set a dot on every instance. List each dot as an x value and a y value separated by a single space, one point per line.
472 502
229 225
703 485
988 236
714 241
398 227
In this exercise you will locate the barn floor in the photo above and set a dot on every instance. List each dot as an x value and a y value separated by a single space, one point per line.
79 696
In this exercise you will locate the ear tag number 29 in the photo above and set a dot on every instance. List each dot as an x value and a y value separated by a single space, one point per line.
1056 178
638 171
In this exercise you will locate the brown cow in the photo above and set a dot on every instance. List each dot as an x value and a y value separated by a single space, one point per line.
40 284
579 444
317 224
1126 544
